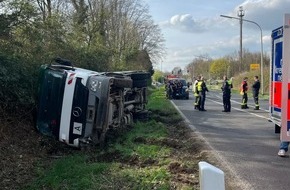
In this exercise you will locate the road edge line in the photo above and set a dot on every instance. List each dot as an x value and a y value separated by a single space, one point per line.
223 161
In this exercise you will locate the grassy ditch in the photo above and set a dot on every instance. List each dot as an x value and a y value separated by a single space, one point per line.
161 153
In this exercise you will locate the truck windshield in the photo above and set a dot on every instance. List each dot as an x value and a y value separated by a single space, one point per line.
50 101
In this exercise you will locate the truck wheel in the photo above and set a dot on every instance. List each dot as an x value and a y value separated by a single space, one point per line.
277 129
141 115
139 83
123 83
139 76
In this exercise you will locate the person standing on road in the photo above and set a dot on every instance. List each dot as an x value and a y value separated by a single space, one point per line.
226 88
255 89
169 89
244 93
195 93
202 89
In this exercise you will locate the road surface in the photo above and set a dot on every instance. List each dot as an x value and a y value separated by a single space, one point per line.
244 140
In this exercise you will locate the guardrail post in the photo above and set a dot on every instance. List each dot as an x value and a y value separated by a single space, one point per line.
210 177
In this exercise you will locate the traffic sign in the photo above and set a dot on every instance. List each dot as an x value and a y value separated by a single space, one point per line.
254 66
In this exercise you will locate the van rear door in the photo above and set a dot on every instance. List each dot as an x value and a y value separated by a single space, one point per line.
276 76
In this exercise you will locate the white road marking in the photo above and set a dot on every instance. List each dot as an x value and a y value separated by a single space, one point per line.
242 110
238 102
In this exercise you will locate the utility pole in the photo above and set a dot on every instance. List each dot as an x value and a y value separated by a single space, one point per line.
241 13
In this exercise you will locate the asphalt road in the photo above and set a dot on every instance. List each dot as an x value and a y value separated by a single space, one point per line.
244 140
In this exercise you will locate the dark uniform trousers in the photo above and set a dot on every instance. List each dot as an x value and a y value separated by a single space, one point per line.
202 96
227 102
244 101
256 99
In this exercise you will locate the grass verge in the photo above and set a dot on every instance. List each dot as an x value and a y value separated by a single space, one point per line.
161 153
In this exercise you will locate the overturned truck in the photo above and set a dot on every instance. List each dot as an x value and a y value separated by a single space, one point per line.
78 106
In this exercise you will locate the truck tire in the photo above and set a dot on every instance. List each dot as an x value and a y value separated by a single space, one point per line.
141 115
139 76
115 75
123 82
139 83
277 129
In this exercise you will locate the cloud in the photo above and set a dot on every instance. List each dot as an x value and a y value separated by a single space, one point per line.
268 14
182 56
184 23
189 36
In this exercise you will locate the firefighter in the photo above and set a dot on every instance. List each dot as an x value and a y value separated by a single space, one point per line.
169 89
179 87
244 93
202 89
174 89
196 94
226 88
255 90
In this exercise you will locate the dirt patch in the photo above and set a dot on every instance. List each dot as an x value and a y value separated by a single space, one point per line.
19 153
177 167
22 149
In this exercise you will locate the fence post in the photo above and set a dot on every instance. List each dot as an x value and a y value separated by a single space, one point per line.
210 177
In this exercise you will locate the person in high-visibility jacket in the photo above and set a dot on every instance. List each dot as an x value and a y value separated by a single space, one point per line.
195 93
244 93
202 89
230 81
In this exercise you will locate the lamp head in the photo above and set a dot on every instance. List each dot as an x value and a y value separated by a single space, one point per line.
241 12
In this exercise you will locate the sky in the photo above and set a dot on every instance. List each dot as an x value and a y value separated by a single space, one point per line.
193 28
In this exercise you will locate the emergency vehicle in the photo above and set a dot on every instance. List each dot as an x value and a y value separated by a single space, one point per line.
182 91
275 99
280 80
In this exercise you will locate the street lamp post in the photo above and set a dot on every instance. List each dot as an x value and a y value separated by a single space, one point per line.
241 14
262 61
